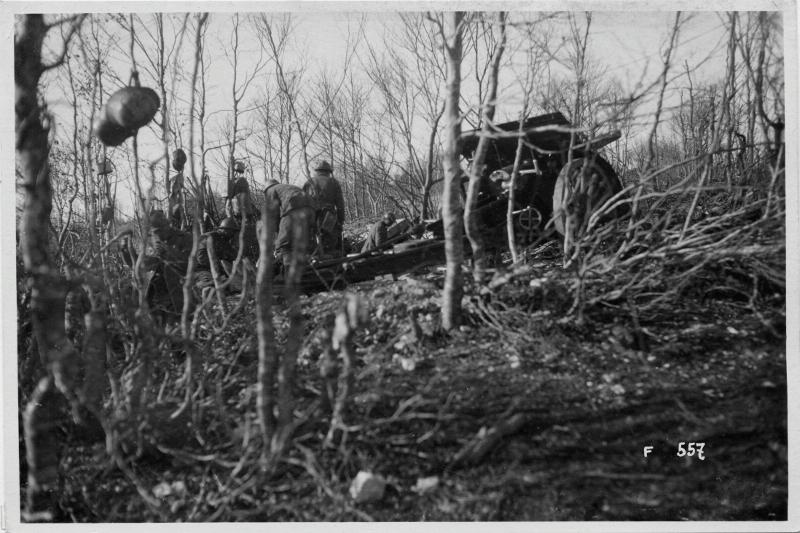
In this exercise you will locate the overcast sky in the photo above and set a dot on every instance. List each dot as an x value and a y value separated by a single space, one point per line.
627 45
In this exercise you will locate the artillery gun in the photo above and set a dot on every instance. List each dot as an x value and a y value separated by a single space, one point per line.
561 175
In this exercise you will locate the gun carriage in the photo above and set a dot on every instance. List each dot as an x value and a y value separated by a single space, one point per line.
557 162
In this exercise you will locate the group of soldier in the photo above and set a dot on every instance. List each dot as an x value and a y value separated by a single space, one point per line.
314 213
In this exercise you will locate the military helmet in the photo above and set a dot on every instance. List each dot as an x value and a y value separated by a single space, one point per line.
228 224
324 166
178 159
239 167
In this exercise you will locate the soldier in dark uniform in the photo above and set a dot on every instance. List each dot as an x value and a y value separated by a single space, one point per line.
328 203
175 201
288 207
242 212
378 233
168 259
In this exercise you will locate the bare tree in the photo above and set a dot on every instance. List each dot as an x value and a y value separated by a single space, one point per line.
404 76
267 349
471 223
276 41
651 151
49 287
238 92
451 212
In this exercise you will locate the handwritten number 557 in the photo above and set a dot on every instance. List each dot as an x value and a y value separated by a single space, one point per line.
688 449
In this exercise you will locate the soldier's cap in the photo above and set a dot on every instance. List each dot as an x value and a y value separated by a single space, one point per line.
324 166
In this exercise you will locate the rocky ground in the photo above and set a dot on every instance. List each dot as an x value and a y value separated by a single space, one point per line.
522 414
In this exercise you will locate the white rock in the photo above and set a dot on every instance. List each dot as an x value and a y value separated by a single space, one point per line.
617 389
408 363
179 488
426 484
162 490
367 487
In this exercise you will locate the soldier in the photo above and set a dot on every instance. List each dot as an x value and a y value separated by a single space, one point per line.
175 200
226 240
240 203
168 258
288 207
242 211
328 203
378 233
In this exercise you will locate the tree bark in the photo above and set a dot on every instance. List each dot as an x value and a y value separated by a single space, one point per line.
267 351
48 286
512 185
471 223
426 192
451 209
294 337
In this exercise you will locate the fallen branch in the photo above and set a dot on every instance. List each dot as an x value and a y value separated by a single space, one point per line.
486 440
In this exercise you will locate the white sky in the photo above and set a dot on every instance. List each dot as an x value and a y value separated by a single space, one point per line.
627 44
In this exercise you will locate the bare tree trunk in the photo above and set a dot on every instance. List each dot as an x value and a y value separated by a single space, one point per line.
294 337
651 141
512 185
74 101
267 351
454 246
426 192
159 18
283 85
49 288
188 282
471 223
347 322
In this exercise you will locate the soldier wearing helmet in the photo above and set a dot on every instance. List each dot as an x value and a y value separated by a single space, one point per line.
239 202
175 200
166 257
288 209
378 233
328 203
226 239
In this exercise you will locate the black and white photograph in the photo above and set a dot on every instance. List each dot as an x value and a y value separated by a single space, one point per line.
400 262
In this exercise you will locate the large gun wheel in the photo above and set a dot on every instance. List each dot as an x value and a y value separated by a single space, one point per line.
582 187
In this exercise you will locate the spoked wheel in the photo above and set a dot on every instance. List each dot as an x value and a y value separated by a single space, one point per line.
582 187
